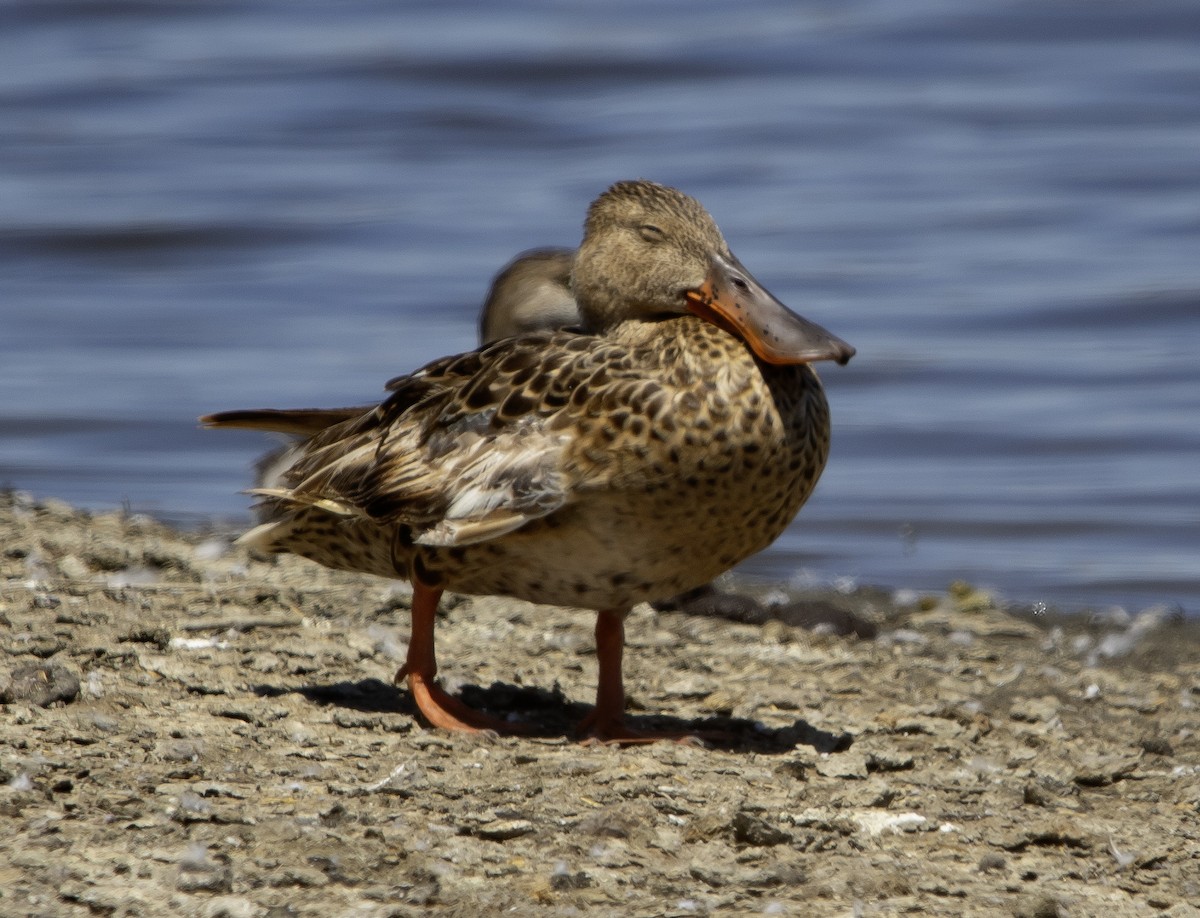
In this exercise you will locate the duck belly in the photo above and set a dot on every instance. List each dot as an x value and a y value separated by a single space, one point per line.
615 549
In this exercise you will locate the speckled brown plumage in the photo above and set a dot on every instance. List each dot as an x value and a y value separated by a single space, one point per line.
630 461
630 472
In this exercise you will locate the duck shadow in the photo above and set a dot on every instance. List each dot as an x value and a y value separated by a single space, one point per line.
549 714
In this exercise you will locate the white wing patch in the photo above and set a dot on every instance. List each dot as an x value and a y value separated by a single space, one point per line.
497 487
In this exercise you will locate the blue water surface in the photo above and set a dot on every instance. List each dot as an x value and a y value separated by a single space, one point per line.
209 205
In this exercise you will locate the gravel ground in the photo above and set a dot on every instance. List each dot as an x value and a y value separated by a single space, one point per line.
186 730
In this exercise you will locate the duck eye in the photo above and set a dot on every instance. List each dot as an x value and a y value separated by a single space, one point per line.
651 233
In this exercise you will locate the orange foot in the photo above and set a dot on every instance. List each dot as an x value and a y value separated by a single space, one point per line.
612 730
443 710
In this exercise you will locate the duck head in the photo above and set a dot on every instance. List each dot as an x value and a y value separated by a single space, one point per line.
532 292
650 252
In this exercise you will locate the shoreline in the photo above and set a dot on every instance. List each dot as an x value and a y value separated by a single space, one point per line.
761 586
189 730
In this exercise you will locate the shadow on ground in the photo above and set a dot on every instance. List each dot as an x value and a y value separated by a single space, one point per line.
552 715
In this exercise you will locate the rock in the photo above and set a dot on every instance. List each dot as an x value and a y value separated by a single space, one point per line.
889 760
1035 710
825 617
1042 907
843 765
749 829
1182 910
992 860
878 822
1157 745
39 683
200 873
504 829
1100 770
713 603
73 569
1053 833
230 907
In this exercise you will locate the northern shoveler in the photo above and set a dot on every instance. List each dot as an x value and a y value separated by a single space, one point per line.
531 293
675 434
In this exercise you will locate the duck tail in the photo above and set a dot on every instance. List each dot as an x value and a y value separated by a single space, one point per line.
302 422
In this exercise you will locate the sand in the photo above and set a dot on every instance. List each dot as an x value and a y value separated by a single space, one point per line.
186 730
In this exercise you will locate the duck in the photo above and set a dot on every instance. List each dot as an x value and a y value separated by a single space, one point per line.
532 292
675 433
529 294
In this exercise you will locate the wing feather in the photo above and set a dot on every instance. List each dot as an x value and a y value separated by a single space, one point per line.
461 451
475 446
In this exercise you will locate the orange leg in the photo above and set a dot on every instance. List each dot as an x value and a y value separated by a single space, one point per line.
607 719
606 722
439 708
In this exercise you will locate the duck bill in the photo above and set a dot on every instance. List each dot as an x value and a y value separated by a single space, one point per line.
732 299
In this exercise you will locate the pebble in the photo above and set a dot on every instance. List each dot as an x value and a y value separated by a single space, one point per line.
889 760
750 829
504 829
271 767
39 683
73 569
842 765
877 822
230 907
993 860
212 877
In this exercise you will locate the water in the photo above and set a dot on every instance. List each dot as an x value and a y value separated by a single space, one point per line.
209 205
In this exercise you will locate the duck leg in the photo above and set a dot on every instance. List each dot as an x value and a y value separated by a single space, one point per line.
606 722
420 667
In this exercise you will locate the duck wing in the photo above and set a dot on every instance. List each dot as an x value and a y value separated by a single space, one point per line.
466 449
